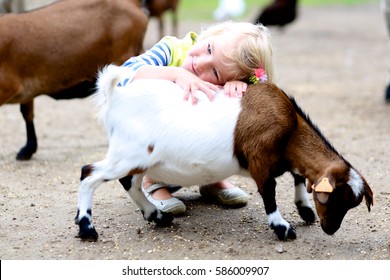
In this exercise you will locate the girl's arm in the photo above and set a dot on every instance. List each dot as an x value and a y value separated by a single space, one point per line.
153 65
188 81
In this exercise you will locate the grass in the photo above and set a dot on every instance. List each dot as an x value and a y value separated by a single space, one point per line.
203 9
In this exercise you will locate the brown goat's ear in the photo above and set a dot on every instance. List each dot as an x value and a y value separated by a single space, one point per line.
323 186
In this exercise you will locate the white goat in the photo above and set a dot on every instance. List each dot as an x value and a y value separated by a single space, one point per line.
153 131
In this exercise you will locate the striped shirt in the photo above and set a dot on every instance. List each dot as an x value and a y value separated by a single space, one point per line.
169 51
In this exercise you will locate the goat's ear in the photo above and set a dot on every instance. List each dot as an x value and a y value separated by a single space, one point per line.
323 186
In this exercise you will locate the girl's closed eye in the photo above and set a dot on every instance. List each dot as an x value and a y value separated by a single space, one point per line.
209 48
215 72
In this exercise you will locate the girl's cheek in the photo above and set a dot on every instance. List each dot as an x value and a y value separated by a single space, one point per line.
187 65
209 78
194 50
191 51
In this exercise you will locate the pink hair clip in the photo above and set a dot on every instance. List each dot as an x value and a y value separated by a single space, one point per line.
259 75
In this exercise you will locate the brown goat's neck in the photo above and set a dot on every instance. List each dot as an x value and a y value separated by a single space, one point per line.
310 153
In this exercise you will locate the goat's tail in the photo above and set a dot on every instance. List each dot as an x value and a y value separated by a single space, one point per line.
108 79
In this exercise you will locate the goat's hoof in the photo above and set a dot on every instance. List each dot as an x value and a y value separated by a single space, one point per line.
165 219
160 218
88 235
284 233
24 154
307 214
87 231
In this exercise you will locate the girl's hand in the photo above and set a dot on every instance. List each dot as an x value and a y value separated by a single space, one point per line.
191 84
235 88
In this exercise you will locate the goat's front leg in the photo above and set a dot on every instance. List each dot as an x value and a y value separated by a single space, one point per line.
280 226
133 185
302 201
31 146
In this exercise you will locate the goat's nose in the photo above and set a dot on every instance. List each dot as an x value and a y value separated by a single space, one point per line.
329 228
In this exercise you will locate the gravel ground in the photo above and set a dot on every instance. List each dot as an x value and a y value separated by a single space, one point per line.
334 60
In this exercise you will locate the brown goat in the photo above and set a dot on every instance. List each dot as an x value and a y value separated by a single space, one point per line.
57 50
263 135
157 8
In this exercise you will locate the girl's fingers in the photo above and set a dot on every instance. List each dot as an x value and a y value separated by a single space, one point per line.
187 94
209 93
235 89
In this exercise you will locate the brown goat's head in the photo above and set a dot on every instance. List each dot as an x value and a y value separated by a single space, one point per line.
336 193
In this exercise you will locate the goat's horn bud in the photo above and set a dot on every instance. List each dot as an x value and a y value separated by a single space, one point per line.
324 186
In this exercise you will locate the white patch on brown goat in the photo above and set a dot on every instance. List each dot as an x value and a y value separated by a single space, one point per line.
301 195
355 182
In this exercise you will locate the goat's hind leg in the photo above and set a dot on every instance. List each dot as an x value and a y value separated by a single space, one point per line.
302 201
88 184
92 176
133 185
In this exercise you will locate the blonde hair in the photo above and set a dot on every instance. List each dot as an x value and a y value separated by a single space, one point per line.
252 48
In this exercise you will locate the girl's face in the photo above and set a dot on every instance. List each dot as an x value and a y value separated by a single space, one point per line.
206 60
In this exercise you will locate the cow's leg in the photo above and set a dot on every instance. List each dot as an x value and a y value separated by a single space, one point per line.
133 185
26 152
280 226
302 201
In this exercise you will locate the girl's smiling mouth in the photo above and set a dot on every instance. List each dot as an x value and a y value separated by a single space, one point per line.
193 67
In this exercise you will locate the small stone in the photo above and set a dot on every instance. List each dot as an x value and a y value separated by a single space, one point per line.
279 248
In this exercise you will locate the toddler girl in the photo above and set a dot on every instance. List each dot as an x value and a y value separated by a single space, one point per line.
228 55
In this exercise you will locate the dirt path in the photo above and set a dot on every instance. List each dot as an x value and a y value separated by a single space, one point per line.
333 60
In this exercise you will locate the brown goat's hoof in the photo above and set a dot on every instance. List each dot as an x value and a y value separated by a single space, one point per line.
25 154
307 214
284 233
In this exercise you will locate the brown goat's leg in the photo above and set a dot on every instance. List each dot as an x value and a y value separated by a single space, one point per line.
26 152
161 26
280 226
302 199
175 30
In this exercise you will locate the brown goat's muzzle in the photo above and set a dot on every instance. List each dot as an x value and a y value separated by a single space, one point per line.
330 226
330 210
